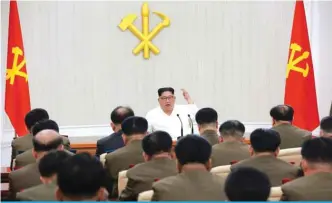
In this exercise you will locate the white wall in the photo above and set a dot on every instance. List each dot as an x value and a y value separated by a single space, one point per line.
228 55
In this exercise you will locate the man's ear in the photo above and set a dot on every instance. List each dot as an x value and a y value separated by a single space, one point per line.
34 153
61 147
178 166
277 151
58 194
145 156
113 126
217 124
251 150
102 194
209 165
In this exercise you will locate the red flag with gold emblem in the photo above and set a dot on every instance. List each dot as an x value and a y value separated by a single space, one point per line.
300 90
17 97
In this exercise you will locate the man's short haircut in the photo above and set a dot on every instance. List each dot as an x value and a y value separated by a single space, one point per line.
232 128
134 125
50 163
193 149
282 113
81 175
157 142
45 147
45 125
34 116
120 113
265 140
206 116
326 124
247 184
317 150
165 89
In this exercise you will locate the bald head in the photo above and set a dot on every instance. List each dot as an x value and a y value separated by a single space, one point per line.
47 140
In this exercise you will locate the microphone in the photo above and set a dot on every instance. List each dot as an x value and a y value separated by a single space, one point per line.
181 124
191 124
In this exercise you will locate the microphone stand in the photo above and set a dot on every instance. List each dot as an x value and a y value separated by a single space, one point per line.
191 124
181 126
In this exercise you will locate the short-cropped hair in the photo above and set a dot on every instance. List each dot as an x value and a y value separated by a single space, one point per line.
134 125
44 125
317 150
165 89
157 142
265 140
45 147
232 128
51 162
282 113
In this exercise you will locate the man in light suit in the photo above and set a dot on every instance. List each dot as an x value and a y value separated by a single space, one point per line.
207 121
291 136
114 141
29 175
48 168
134 129
232 148
27 157
316 184
326 127
158 164
194 181
264 151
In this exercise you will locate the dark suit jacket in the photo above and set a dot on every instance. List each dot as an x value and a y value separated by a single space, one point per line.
120 160
226 152
141 177
274 168
291 136
24 143
211 136
24 178
190 186
315 187
42 192
27 158
110 143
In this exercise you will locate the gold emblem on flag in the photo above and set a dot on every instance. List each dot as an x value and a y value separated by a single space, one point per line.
16 68
145 36
292 63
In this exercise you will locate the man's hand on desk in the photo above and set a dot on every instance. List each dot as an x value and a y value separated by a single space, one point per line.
186 96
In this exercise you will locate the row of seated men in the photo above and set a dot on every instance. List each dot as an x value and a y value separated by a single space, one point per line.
265 145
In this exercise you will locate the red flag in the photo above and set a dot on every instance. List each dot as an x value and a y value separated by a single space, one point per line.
300 90
17 97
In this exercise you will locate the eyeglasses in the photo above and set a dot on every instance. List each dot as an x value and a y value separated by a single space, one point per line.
167 98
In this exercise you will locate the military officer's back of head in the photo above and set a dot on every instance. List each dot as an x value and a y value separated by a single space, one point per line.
326 127
232 130
45 141
247 184
80 178
134 127
264 141
282 113
157 144
35 116
44 125
194 152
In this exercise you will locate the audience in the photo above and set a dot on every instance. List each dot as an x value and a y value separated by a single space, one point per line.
247 184
24 143
81 178
49 166
114 141
316 185
134 129
26 157
232 148
264 149
29 175
291 136
158 164
207 121
194 181
326 127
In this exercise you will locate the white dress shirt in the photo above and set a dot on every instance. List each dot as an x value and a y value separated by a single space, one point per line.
159 120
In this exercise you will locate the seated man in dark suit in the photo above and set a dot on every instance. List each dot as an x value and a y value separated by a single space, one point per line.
81 178
26 157
158 164
194 181
207 121
134 129
21 144
291 136
326 127
29 175
264 151
316 184
114 141
48 168
247 184
232 148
